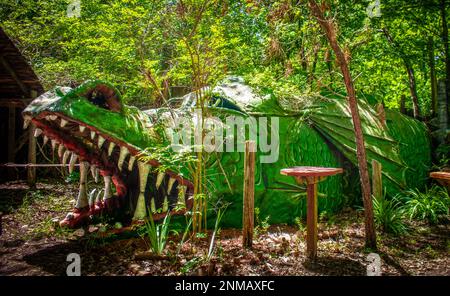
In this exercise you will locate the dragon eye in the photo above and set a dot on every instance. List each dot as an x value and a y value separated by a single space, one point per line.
104 97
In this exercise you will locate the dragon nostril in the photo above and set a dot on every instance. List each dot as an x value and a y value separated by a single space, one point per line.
104 96
98 99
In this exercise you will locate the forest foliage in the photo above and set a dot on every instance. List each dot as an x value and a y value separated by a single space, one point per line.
145 47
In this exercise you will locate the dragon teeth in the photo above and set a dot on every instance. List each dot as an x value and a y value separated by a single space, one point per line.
94 173
37 132
73 160
60 150
63 123
159 179
101 140
110 148
53 144
92 135
65 157
92 197
52 117
152 205
107 192
170 185
144 170
82 128
82 200
26 122
98 198
45 140
131 162
123 153
165 204
93 170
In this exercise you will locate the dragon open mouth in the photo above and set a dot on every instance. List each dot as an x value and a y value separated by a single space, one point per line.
141 188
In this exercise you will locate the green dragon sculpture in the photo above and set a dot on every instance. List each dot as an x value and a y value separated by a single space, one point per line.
135 150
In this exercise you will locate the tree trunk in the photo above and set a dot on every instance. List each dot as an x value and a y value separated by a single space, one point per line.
330 31
303 60
442 114
409 70
314 64
413 90
433 80
446 51
402 104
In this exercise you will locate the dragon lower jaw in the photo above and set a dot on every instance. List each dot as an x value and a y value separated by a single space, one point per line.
139 185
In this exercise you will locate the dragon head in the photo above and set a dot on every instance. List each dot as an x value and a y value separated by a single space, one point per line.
91 125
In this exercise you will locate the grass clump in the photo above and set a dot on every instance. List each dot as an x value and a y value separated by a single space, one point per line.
389 215
157 234
431 206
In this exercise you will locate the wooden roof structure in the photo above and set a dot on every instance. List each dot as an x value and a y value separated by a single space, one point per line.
18 82
18 86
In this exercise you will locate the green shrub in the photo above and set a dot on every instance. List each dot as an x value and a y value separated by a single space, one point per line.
389 215
431 205
261 225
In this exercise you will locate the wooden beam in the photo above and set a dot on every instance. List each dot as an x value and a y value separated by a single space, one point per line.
11 138
13 74
31 171
249 194
14 103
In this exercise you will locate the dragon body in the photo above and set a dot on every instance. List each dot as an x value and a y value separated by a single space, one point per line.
144 175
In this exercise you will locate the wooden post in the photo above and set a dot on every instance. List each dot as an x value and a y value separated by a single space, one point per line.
11 139
311 218
31 171
249 194
377 183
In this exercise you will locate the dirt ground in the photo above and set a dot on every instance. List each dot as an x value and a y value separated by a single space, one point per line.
32 244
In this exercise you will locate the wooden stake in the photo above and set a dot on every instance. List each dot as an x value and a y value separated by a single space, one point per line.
249 194
31 171
377 183
11 139
311 219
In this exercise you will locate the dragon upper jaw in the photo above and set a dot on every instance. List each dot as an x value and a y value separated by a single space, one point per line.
113 159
